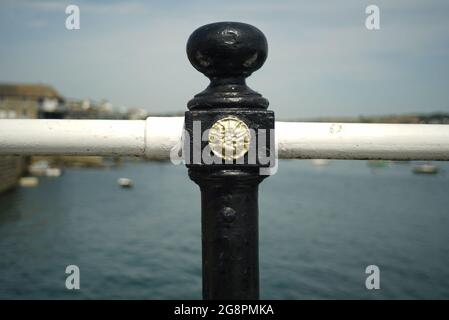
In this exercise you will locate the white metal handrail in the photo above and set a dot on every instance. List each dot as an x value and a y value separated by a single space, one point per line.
156 136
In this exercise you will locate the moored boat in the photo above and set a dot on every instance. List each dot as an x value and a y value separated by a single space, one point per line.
28 182
125 183
320 162
426 168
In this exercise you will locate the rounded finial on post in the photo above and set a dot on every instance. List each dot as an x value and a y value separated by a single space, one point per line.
226 49
227 53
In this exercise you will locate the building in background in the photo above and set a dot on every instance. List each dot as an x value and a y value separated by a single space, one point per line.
25 101
30 101
89 109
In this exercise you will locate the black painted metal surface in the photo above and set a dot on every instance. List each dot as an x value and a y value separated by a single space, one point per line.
227 53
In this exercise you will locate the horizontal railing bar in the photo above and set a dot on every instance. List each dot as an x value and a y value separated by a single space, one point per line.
155 137
358 141
72 137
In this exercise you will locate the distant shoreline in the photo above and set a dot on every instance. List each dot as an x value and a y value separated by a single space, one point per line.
427 118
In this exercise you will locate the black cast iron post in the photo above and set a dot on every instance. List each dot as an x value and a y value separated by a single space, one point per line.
228 129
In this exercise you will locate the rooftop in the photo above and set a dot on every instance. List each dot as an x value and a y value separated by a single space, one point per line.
37 91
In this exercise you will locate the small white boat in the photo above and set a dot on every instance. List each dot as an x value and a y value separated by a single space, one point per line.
320 162
38 168
28 182
125 182
426 168
53 172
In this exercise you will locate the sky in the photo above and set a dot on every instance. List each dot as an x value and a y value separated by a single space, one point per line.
322 60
